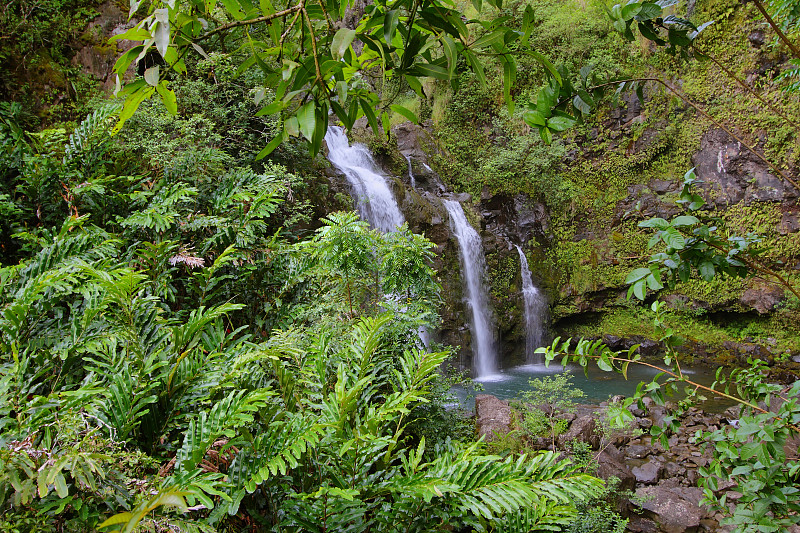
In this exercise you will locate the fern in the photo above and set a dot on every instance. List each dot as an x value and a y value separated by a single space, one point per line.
233 411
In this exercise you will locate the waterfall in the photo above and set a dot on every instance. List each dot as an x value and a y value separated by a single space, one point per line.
376 203
473 268
535 310
411 173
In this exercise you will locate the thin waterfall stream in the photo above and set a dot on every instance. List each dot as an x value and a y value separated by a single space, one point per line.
473 269
535 311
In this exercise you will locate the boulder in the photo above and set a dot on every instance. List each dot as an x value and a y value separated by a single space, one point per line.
611 463
583 429
674 509
493 416
649 473
763 299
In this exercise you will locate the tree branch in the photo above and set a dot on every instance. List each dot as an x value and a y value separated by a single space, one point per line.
250 22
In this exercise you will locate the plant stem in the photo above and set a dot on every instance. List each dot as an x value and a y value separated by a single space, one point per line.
250 22
777 29
749 89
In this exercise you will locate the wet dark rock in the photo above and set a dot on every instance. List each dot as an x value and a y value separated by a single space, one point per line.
756 38
583 429
649 473
732 174
611 463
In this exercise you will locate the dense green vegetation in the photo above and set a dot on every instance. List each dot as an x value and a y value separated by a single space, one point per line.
196 335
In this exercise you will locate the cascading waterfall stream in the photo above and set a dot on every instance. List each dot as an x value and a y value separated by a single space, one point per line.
376 203
473 268
535 311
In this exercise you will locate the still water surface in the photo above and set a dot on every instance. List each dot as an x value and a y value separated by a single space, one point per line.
598 387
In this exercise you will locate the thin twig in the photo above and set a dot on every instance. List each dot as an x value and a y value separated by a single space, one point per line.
777 29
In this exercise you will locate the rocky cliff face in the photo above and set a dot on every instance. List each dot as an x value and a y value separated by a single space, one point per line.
736 183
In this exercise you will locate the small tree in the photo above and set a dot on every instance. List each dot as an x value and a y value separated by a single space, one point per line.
548 398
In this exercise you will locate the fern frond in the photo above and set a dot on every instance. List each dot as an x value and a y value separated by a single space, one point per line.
233 411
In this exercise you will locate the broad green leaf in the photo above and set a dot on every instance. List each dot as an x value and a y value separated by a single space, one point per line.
371 118
639 289
533 118
490 38
134 34
560 123
630 10
673 238
151 75
658 223
270 147
306 120
509 77
547 64
707 270
451 53
581 105
432 70
684 220
407 113
341 42
546 135
649 11
168 98
267 8
390 20
636 275
233 7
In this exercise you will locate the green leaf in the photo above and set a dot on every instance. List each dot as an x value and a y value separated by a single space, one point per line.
151 75
547 64
639 289
673 238
630 10
560 123
341 42
581 105
451 53
168 98
649 11
636 275
431 70
509 77
267 8
407 113
307 120
685 220
707 270
533 118
496 36
546 135
61 485
658 223
390 20
233 7
371 118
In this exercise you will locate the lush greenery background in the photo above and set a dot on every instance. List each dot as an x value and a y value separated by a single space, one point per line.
186 326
